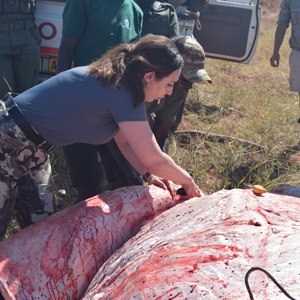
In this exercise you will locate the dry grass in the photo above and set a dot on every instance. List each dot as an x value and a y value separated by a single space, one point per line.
250 102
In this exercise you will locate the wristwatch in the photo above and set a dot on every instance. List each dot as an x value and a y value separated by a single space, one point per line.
146 176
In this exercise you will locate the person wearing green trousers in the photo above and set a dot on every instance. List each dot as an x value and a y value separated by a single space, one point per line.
19 47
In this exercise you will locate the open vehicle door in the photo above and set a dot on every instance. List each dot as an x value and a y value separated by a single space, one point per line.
227 30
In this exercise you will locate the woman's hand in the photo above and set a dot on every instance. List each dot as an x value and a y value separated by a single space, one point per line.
192 190
157 181
161 183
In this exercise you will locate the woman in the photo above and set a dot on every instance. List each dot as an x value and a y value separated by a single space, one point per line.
92 105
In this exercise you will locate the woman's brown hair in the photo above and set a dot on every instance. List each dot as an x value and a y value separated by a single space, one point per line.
126 64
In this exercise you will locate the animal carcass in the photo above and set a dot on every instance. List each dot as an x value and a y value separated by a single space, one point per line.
203 248
58 257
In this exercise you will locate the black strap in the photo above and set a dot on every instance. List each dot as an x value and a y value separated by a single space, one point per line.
27 129
18 25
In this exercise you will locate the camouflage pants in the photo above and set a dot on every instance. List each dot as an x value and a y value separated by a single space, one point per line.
25 178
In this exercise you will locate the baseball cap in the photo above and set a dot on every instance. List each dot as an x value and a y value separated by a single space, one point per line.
194 59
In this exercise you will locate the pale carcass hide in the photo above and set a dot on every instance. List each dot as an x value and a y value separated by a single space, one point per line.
203 248
58 257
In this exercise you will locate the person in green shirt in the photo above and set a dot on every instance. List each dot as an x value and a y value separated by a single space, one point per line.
19 47
90 28
159 18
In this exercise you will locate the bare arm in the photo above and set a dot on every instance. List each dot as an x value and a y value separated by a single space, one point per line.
65 53
279 36
138 144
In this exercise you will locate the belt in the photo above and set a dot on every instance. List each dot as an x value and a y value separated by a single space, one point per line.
16 114
17 25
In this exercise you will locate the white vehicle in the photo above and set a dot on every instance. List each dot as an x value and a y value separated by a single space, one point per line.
229 29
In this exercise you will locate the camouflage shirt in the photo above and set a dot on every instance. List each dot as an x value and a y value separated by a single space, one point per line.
160 18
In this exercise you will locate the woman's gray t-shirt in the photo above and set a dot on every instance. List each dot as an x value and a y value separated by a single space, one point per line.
72 107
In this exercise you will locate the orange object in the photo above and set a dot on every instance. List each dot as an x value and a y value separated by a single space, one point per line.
259 189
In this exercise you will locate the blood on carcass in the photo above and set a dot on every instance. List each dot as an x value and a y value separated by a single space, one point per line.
203 248
58 257
199 249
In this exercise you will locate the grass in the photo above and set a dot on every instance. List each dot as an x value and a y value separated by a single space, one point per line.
250 102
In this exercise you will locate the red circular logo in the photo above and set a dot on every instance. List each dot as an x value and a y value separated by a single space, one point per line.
52 35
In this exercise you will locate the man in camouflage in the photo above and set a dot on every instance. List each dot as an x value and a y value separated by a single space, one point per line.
19 47
168 113
19 67
20 159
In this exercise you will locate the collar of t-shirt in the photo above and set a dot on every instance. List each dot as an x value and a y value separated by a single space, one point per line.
156 5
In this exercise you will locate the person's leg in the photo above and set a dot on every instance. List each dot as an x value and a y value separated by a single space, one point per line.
115 176
8 194
132 176
294 61
294 80
26 57
18 155
27 192
37 192
7 77
84 169
10 173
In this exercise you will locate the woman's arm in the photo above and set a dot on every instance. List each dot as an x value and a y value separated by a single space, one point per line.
139 146
129 153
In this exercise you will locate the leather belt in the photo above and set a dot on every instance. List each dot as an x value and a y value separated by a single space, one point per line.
16 114
18 25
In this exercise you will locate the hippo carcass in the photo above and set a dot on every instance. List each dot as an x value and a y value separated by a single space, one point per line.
203 248
58 257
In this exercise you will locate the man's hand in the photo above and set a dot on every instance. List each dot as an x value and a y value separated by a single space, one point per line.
279 36
274 60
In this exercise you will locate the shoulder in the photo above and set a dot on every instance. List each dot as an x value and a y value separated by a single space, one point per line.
162 7
130 4
121 94
286 4
166 5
